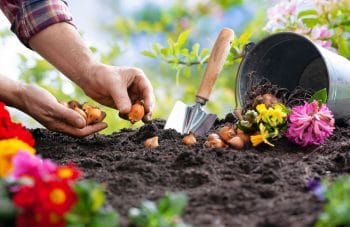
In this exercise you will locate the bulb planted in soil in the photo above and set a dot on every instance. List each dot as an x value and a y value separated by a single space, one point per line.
152 142
244 136
190 139
213 136
215 143
137 112
236 143
227 132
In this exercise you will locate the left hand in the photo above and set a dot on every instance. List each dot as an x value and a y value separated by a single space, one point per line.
43 106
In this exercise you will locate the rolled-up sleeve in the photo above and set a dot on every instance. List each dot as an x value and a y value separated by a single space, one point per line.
29 17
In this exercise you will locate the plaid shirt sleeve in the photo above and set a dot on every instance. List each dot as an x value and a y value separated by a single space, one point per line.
29 17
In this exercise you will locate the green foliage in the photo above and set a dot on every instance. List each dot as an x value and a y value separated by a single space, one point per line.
178 56
309 17
89 210
337 209
7 209
171 20
320 96
165 213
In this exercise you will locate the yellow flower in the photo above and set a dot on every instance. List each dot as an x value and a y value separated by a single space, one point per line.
262 137
272 116
261 108
278 115
8 149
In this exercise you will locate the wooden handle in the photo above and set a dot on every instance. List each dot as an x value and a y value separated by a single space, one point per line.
216 61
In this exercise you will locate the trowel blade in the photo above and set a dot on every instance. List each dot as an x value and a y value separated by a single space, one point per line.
177 117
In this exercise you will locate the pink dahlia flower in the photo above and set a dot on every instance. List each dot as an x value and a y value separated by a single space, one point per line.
310 124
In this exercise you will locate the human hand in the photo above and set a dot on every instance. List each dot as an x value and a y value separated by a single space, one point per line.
43 106
119 88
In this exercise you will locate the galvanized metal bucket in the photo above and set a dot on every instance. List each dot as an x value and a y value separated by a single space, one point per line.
290 60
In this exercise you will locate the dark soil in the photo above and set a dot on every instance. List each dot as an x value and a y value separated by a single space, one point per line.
226 187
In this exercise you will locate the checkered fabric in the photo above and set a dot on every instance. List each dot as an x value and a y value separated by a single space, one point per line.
28 17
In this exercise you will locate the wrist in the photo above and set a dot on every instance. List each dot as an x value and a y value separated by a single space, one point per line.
20 93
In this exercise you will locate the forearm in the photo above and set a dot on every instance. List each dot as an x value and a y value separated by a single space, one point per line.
63 47
10 91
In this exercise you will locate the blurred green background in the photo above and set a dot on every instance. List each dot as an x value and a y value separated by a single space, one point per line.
119 31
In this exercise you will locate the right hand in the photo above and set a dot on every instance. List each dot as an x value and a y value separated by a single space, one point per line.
119 87
43 106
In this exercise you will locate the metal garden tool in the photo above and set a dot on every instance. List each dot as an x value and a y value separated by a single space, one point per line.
186 119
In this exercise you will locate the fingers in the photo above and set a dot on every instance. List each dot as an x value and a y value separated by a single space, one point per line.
149 106
146 92
70 116
88 130
121 99
124 116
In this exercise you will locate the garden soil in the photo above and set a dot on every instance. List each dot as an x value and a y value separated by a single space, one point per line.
252 187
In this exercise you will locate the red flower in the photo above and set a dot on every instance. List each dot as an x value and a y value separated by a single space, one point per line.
39 219
25 219
25 197
56 196
68 172
9 129
4 114
45 203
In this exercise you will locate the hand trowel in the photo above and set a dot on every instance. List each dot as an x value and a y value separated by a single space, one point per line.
184 118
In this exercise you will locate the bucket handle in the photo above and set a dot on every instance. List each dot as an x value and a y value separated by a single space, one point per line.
246 49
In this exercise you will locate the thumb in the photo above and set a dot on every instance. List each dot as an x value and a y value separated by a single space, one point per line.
122 100
70 116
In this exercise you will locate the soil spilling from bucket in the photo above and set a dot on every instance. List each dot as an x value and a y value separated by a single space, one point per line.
261 186
257 86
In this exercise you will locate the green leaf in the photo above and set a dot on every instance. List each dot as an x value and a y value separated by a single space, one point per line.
337 208
93 49
106 217
307 13
181 40
165 213
172 204
344 47
245 37
156 47
98 198
149 54
195 49
204 53
172 46
165 52
310 22
320 96
7 209
89 207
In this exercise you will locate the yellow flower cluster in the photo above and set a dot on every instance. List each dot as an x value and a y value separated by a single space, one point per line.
8 149
269 121
272 116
